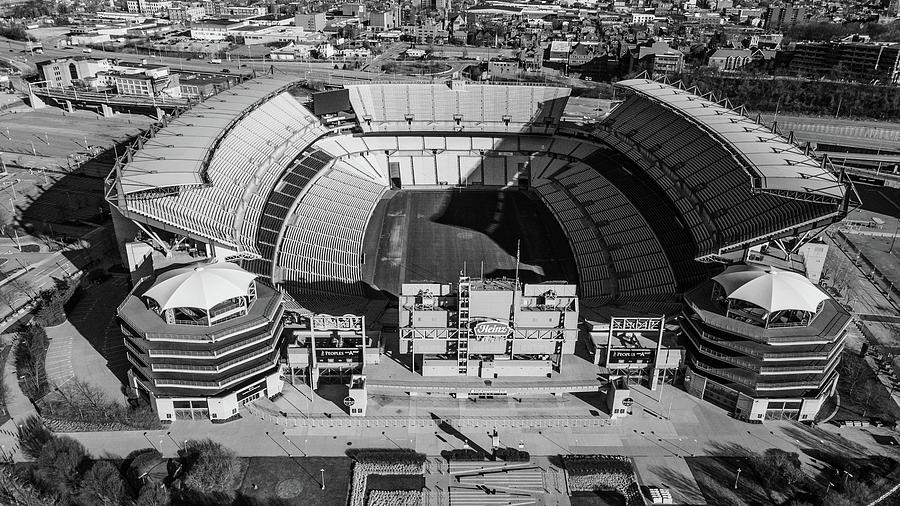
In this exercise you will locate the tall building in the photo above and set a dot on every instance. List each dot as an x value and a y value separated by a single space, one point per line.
380 21
313 22
779 18
763 343
202 340
488 327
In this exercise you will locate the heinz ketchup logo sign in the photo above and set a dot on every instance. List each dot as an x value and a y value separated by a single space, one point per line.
491 329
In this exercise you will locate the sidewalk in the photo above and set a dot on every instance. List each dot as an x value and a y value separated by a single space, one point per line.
19 408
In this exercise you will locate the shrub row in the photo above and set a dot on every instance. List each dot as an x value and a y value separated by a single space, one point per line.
512 455
395 498
462 455
404 456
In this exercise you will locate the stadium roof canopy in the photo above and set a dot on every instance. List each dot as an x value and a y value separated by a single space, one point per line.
775 165
179 153
770 288
200 286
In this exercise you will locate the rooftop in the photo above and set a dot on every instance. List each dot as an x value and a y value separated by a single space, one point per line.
175 155
827 324
149 325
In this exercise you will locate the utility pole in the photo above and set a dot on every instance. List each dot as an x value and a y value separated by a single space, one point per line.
736 478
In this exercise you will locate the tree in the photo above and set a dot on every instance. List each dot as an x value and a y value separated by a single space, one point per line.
59 464
865 396
33 436
102 484
16 492
156 495
146 469
51 306
853 370
779 468
210 467
31 355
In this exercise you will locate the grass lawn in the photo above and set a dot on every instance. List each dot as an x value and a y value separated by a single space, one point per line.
716 476
855 406
297 481
395 482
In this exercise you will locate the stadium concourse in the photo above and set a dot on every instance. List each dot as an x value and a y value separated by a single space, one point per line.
338 198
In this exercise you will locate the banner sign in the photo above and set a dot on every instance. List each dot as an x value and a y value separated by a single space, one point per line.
338 355
491 329
630 356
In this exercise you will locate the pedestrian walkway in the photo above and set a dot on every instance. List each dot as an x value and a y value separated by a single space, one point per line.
59 354
18 406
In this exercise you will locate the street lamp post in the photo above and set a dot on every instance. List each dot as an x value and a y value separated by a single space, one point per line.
736 478
846 475
323 478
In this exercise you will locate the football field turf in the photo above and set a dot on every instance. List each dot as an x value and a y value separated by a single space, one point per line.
430 236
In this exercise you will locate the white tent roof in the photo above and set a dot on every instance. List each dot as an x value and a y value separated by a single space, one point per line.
200 285
771 289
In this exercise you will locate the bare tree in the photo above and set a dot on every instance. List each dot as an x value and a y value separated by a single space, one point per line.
865 396
853 369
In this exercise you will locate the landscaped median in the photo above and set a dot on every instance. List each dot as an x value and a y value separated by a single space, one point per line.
397 474
593 474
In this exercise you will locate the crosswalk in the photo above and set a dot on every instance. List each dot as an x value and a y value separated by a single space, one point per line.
478 483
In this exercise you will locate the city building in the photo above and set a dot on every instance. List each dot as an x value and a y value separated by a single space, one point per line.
202 340
487 327
353 10
149 7
292 52
256 35
202 86
661 59
313 22
242 12
503 69
763 343
64 72
272 20
642 18
859 61
185 13
559 51
214 29
380 21
730 59
782 17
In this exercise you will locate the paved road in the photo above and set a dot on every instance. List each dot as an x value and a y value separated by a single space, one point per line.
315 71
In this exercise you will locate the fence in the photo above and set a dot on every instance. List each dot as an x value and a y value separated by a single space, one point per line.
570 422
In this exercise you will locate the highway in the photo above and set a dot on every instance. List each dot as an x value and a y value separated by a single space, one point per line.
303 70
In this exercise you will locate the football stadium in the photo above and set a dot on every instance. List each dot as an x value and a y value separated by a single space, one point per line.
396 201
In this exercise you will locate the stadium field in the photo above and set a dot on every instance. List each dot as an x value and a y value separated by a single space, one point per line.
430 236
